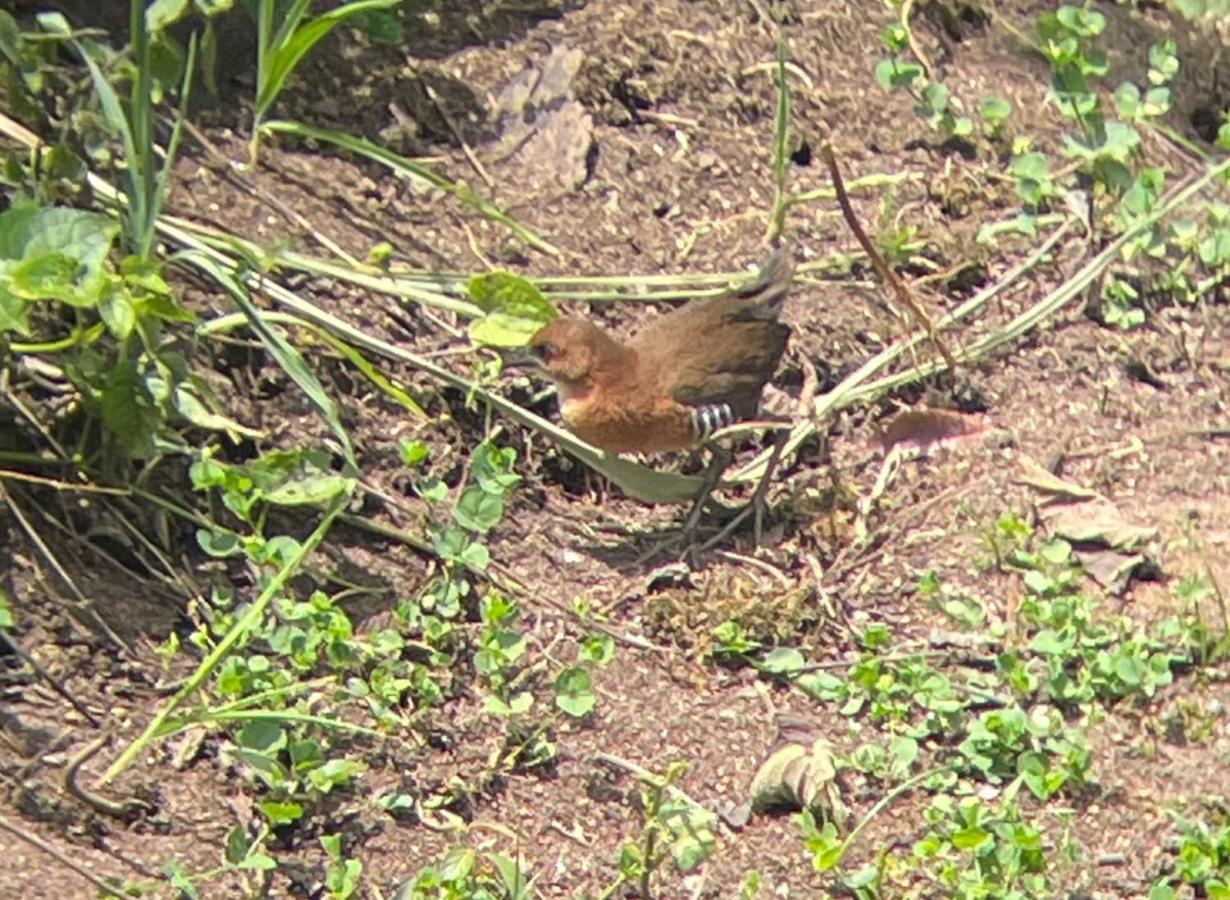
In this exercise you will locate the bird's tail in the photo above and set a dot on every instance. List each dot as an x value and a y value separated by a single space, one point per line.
763 295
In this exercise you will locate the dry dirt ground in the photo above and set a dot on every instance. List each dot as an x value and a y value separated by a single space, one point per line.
681 180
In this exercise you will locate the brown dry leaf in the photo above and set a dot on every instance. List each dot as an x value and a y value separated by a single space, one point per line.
1046 482
799 772
1108 548
927 428
1097 523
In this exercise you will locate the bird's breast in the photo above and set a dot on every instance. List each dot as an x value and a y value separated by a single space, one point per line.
629 425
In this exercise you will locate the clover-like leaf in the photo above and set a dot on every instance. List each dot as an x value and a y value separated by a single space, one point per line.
514 309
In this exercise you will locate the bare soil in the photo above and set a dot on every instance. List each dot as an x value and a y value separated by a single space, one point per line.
682 104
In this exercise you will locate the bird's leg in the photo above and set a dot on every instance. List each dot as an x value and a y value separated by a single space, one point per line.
762 489
756 506
713 473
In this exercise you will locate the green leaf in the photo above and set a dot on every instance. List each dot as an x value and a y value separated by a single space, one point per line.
281 813
904 751
516 705
1215 249
7 619
1130 670
55 252
381 27
236 845
263 736
458 865
1056 552
116 310
312 490
1127 100
412 453
478 510
972 838
161 13
1217 889
896 73
334 773
1157 101
995 110
597 648
936 96
1163 61
475 556
1030 165
51 276
514 309
783 661
493 468
258 862
128 409
219 544
180 880
512 874
14 313
574 692
692 850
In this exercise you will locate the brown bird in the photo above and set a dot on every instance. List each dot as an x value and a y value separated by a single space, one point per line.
683 376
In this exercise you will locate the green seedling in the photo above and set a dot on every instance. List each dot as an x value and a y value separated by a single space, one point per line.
281 43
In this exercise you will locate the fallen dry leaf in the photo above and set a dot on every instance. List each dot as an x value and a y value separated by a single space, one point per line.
799 772
927 428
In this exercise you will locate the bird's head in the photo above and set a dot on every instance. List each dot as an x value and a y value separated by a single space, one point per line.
572 352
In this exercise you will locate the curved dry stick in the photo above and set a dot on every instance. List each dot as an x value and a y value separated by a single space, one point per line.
904 297
119 810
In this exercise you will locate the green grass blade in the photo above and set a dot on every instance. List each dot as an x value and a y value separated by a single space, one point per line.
357 359
289 48
208 716
781 146
249 620
290 19
287 356
113 112
177 132
414 171
264 38
141 113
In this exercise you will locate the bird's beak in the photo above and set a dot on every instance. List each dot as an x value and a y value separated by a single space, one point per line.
520 358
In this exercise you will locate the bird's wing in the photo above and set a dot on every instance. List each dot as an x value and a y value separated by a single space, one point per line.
759 300
720 349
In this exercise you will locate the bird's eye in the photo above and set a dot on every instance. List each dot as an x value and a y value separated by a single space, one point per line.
546 351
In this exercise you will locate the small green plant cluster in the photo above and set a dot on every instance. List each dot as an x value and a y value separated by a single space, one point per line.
1015 722
500 651
1201 862
104 323
1105 175
1075 653
932 99
979 849
465 874
672 827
